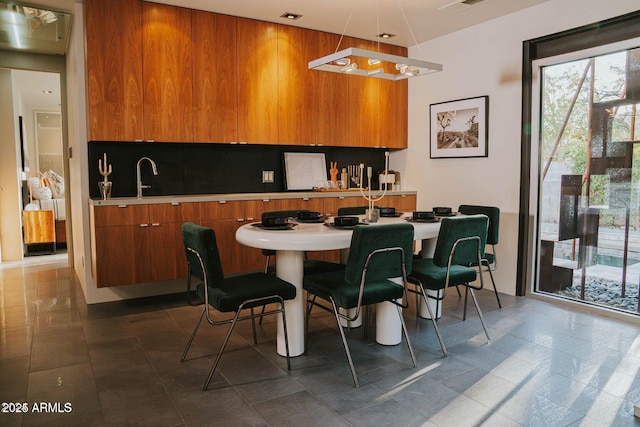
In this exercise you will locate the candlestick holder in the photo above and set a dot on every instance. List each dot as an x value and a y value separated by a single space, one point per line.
372 213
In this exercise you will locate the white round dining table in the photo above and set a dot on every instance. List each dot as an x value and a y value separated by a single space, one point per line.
290 246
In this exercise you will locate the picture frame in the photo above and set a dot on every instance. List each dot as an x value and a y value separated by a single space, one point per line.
459 128
303 171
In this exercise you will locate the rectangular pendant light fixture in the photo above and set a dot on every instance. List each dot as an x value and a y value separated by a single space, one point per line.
401 67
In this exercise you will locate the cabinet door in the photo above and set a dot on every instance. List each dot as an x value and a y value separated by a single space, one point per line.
168 99
215 101
108 216
121 255
257 82
114 70
297 107
167 260
364 99
393 104
332 120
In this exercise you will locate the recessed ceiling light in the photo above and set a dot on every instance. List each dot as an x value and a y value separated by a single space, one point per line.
291 16
385 35
46 91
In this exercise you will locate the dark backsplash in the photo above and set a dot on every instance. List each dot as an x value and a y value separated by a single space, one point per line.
208 168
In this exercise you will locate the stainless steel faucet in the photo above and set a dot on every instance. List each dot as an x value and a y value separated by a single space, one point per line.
139 179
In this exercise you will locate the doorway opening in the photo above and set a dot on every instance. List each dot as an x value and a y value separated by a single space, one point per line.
37 104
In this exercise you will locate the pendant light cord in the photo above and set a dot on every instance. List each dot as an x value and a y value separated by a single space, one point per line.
406 21
344 30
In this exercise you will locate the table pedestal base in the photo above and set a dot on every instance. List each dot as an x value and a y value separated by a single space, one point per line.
289 267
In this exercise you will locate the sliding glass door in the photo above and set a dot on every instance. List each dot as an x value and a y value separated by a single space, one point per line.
588 151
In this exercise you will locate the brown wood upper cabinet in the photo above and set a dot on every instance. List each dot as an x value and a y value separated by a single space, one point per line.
257 82
114 70
170 74
168 97
215 77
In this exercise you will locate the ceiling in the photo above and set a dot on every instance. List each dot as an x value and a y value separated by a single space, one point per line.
426 19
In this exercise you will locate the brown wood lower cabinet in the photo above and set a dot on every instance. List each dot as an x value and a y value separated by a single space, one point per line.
143 243
139 243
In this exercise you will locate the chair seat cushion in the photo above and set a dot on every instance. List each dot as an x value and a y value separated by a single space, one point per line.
345 295
235 290
434 277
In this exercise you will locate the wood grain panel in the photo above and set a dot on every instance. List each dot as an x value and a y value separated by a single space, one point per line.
38 227
215 81
257 82
297 85
331 92
109 216
168 97
114 70
364 99
120 251
167 260
218 211
393 106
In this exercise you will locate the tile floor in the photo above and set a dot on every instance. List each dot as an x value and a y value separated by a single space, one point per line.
118 364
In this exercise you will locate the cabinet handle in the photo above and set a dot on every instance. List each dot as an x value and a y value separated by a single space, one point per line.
151 140
144 225
155 224
266 200
249 219
137 140
175 204
222 202
240 219
122 206
341 197
305 199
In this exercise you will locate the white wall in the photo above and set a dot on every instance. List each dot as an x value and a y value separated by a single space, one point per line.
485 60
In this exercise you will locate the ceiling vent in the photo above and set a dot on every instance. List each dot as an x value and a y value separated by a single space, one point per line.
459 5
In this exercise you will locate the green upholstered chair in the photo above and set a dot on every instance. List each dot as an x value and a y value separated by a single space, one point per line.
377 254
228 295
352 210
460 245
490 260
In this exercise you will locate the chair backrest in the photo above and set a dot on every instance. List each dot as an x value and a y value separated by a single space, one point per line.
352 210
461 227
492 212
366 239
203 241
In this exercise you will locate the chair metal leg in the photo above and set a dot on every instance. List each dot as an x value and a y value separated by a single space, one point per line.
253 325
310 302
344 343
406 335
466 294
224 344
458 289
475 302
435 324
193 334
495 290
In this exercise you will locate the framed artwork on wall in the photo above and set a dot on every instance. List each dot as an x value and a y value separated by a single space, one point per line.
459 128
